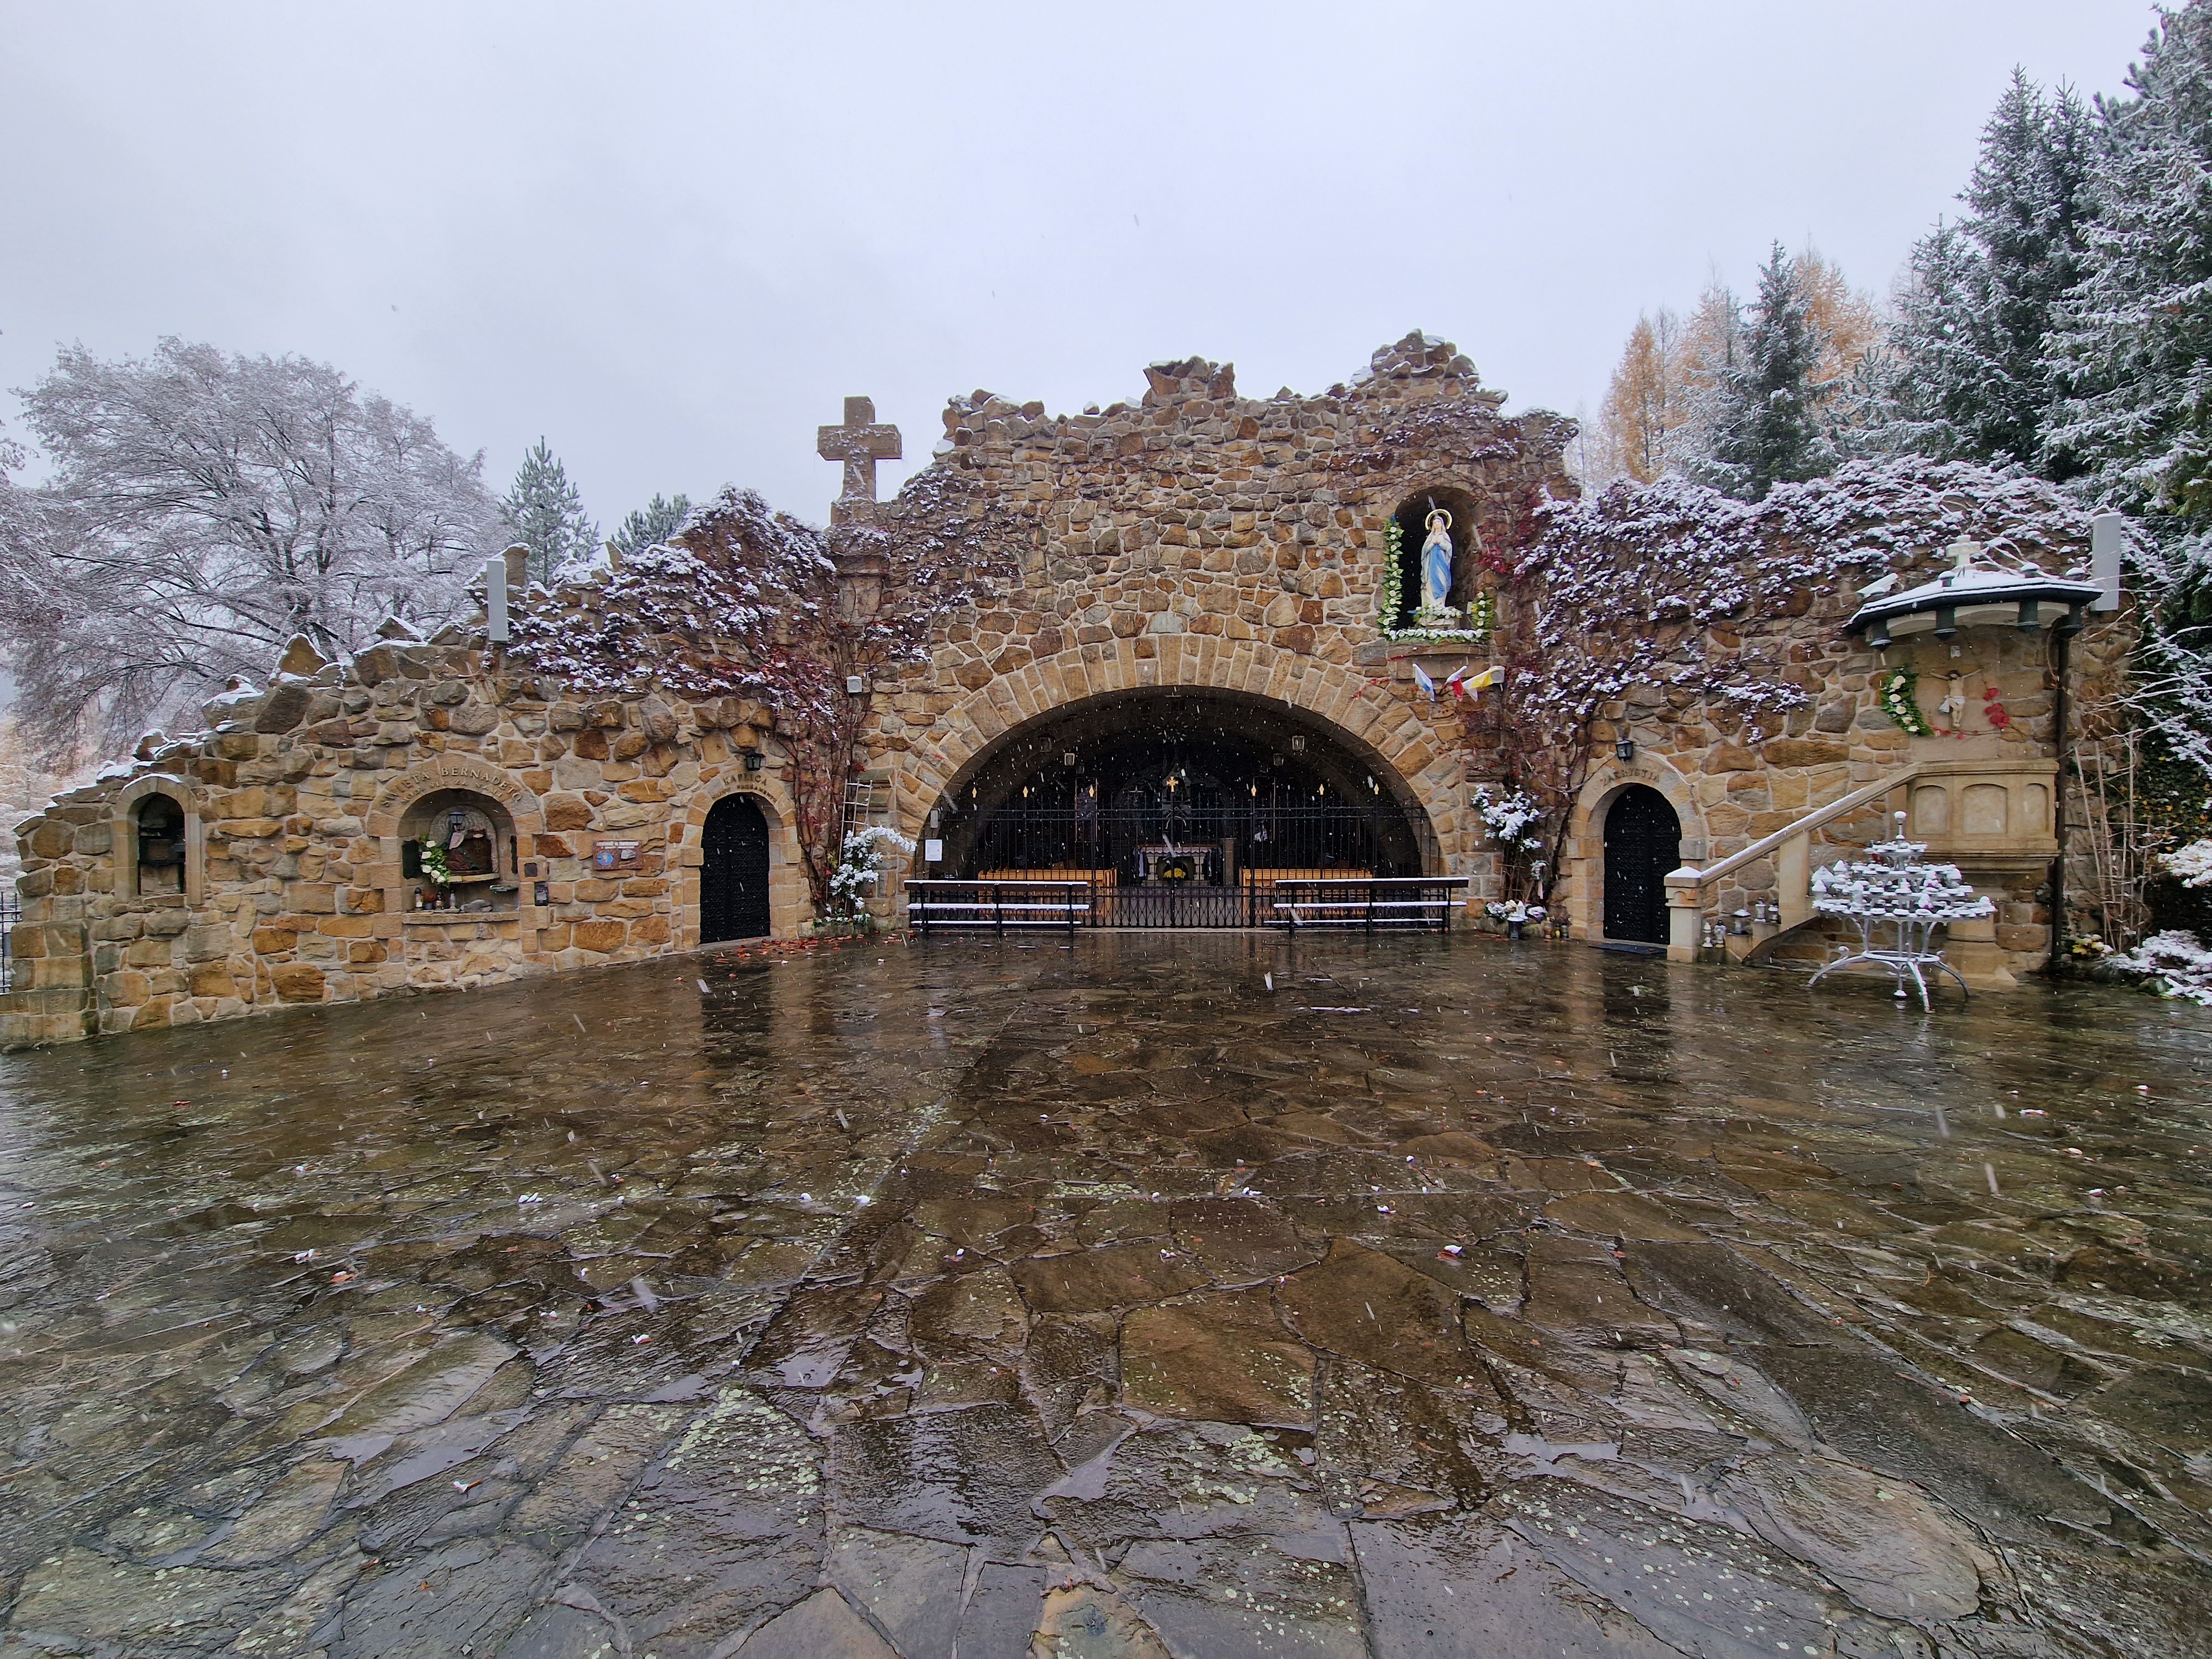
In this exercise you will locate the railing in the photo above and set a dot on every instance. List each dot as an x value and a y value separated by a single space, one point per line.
937 906
1373 904
11 912
1175 904
1790 847
1422 902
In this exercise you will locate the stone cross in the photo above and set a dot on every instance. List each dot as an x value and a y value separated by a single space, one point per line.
859 443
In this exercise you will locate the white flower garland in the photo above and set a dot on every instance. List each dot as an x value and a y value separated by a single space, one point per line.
1392 598
1899 702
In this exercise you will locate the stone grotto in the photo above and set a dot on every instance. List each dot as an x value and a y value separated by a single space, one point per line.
1196 644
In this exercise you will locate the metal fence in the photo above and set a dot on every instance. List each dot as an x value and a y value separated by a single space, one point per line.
1219 840
11 912
1370 904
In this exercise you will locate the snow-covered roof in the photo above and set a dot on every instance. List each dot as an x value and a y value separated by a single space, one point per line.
1975 592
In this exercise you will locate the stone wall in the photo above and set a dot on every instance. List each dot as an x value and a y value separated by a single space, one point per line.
1734 784
294 799
1198 538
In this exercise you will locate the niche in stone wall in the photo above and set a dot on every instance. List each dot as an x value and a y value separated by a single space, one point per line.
458 848
160 822
1469 590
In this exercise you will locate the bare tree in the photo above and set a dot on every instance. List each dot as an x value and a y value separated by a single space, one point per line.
205 508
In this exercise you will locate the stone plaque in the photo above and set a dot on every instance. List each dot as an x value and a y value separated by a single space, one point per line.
615 854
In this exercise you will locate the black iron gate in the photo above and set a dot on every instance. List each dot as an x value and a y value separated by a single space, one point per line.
1212 844
1643 842
733 875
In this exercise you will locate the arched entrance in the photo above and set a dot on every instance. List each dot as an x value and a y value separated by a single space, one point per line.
1187 792
1643 842
733 890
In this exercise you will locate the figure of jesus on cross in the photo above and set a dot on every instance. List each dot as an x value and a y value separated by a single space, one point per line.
859 443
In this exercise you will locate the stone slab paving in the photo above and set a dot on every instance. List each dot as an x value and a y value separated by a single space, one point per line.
1442 1297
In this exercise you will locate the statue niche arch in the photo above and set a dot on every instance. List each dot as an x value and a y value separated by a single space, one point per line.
159 840
472 839
1182 786
1449 512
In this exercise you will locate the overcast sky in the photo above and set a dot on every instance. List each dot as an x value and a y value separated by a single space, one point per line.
671 237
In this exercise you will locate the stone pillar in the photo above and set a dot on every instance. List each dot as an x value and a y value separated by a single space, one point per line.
1685 913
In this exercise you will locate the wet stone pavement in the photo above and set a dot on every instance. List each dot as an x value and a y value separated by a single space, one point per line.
1448 1298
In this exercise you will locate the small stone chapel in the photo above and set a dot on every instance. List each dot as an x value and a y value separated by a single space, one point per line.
1199 643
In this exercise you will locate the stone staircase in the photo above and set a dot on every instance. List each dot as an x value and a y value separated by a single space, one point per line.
1991 818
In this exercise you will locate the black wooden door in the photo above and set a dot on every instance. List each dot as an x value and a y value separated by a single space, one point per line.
1643 842
733 879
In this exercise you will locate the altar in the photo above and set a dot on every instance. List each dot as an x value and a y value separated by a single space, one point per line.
1208 865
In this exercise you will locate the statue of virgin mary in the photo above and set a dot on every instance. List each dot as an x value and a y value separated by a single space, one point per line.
1437 563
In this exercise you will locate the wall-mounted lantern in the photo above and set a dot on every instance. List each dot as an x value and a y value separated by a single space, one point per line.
1624 749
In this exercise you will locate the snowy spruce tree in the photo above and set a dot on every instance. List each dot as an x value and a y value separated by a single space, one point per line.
545 514
2132 352
1765 420
651 524
1968 377
2132 344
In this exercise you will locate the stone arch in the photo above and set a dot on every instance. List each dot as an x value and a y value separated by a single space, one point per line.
791 905
125 802
1421 765
1362 714
453 772
1583 854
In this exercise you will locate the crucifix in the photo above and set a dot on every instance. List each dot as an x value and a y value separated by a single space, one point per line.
859 443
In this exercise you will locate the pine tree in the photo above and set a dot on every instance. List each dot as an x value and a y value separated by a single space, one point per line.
1711 347
1978 309
2132 349
2030 203
2134 340
1768 429
545 513
1926 395
651 524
